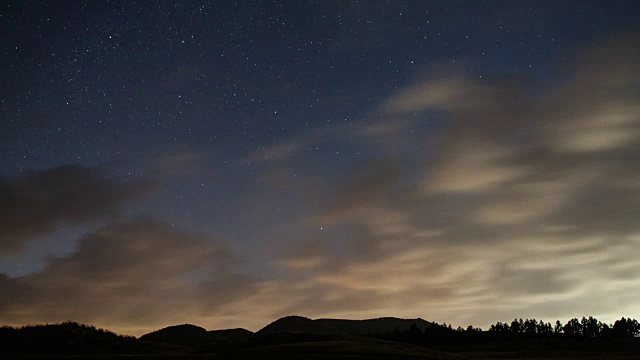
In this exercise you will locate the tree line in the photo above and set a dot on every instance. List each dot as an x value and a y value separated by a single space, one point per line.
528 334
586 327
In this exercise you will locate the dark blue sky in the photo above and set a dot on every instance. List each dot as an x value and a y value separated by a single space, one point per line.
314 143
91 82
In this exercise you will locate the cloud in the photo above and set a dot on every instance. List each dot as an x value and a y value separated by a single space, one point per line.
369 187
39 202
131 276
474 166
597 111
180 160
279 151
525 206
311 255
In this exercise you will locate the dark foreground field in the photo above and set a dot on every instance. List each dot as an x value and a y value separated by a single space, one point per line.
337 353
355 350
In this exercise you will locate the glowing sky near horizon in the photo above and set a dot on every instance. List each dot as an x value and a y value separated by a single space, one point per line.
226 163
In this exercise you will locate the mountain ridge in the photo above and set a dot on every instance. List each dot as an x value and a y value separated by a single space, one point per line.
297 323
193 335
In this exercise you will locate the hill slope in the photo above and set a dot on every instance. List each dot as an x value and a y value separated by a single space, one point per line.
67 338
230 335
184 335
299 324
373 326
196 337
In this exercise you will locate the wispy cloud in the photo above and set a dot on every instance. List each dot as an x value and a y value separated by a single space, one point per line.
36 204
526 206
131 276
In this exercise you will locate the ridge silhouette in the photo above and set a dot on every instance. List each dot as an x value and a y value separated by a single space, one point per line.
297 336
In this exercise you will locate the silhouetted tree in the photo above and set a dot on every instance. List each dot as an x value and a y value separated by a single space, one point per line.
517 326
558 327
544 328
499 327
605 330
530 326
626 328
572 327
591 327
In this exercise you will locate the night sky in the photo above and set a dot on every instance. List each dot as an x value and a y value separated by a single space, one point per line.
225 163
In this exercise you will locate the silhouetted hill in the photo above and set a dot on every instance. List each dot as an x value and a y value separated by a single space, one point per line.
196 337
231 335
184 335
299 324
374 326
68 338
